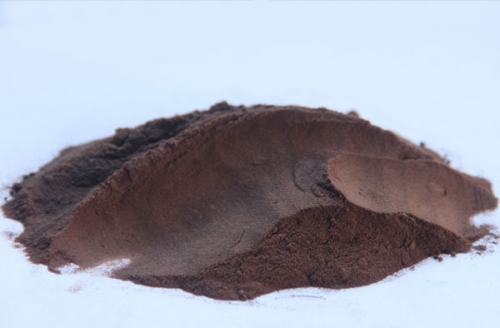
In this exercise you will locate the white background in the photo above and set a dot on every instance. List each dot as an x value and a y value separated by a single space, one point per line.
73 71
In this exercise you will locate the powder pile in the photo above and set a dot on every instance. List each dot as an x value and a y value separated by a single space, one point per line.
236 202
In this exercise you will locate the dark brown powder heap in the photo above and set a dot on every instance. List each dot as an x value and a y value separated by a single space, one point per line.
236 202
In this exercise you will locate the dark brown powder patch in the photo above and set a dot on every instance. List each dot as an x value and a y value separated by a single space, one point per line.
236 202
332 247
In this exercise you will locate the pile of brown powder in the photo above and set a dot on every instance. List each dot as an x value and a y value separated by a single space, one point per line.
236 202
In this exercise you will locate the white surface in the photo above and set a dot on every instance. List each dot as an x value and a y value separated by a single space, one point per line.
72 71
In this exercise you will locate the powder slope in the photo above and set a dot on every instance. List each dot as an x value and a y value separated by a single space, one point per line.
236 202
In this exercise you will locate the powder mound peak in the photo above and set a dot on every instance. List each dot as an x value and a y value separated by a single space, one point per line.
235 202
221 107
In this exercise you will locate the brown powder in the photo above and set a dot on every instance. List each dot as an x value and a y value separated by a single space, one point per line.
236 202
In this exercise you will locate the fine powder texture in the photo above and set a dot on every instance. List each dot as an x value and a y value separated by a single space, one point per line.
236 202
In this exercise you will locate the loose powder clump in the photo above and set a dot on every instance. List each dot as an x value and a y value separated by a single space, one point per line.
236 202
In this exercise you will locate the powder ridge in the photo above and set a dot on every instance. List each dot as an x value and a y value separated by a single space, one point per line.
236 202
